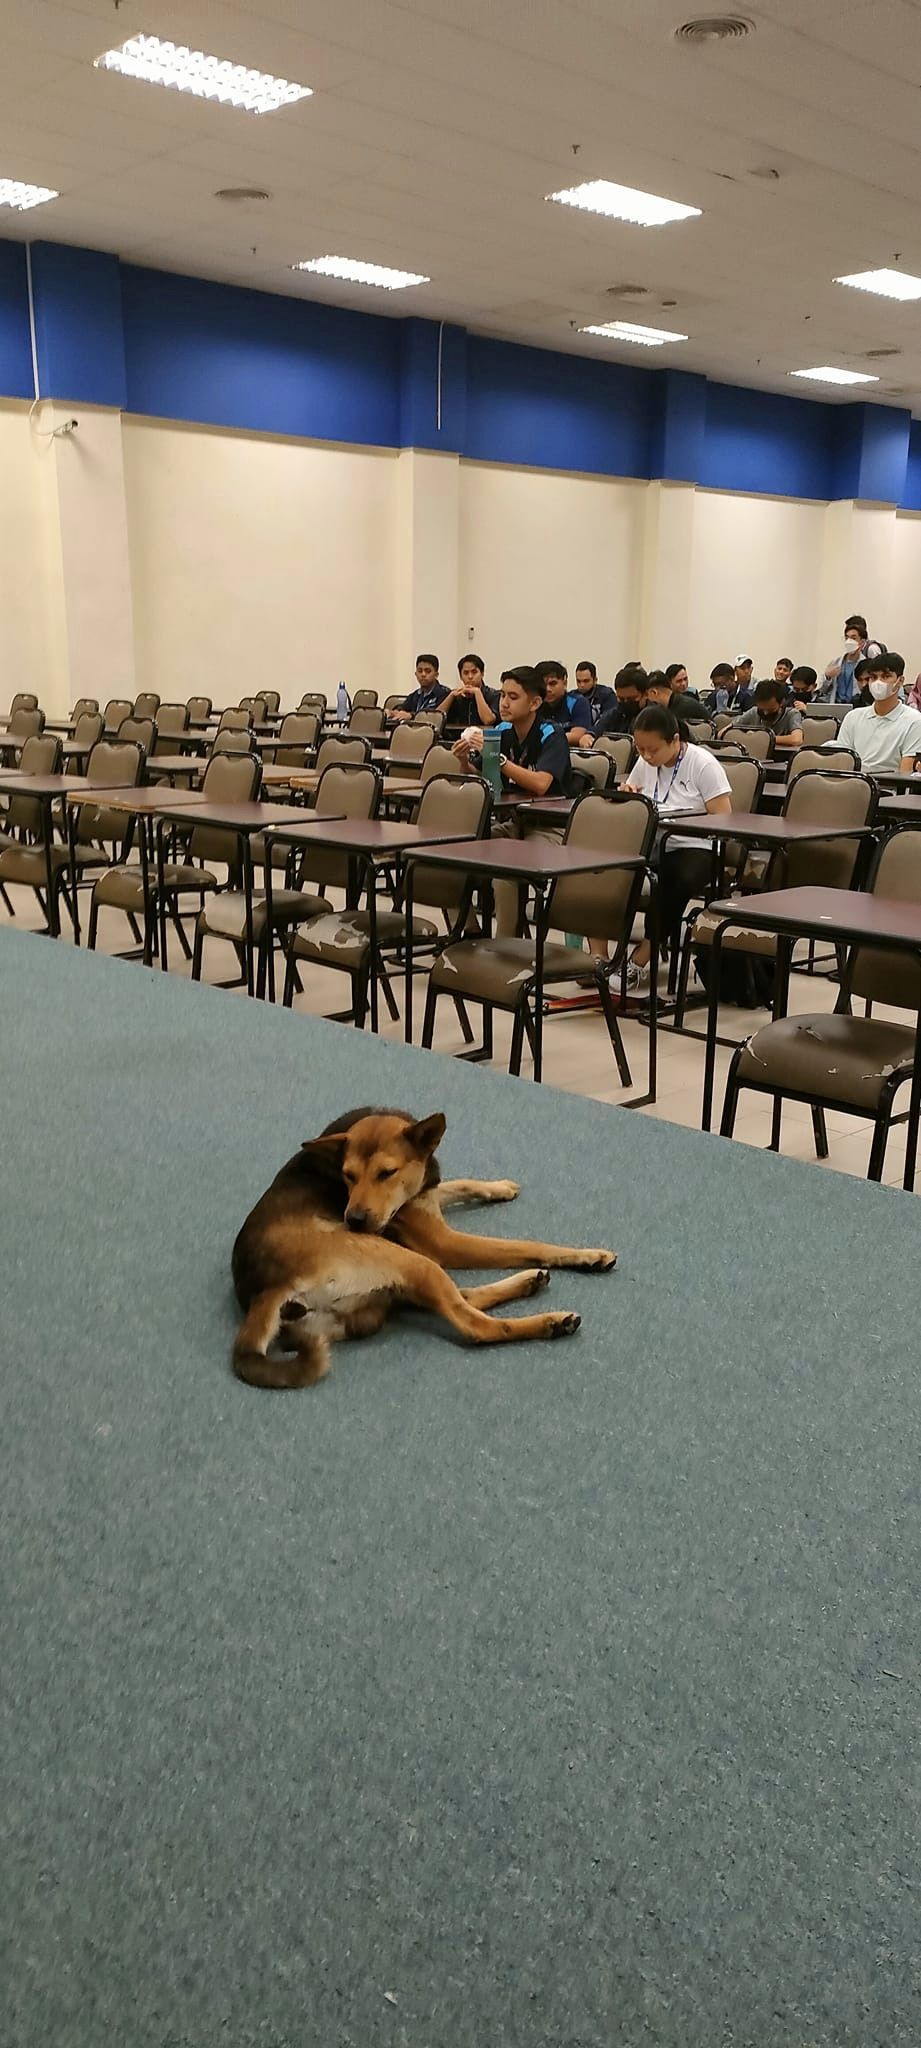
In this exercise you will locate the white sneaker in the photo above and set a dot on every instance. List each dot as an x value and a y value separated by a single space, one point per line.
637 977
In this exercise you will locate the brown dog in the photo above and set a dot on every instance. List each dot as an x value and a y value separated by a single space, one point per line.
352 1227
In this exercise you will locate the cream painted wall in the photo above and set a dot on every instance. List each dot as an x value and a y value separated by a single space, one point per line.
258 562
32 645
755 583
902 626
550 567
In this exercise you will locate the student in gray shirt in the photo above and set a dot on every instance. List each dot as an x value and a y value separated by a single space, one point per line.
771 713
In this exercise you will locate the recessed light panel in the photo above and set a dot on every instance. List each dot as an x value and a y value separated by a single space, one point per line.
887 284
362 273
832 376
627 330
206 78
621 202
22 197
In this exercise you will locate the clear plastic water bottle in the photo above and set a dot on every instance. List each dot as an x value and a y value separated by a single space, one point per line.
343 702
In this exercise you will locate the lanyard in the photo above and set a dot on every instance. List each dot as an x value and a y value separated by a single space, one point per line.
661 801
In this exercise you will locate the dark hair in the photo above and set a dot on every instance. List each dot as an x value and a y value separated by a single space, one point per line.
527 679
551 671
631 677
804 675
783 661
432 658
862 669
474 658
860 623
766 692
657 718
593 672
723 668
658 679
674 669
633 664
887 664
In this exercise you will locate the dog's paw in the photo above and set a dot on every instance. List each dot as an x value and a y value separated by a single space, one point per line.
598 1261
537 1280
503 1190
564 1324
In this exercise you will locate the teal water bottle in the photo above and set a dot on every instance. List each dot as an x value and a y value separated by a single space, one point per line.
491 768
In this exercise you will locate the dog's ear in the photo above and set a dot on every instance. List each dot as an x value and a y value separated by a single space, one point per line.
425 1137
326 1153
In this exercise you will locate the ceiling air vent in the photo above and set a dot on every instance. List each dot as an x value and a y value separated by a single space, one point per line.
714 28
241 195
627 291
878 355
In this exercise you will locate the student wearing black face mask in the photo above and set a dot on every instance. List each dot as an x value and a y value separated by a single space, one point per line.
771 713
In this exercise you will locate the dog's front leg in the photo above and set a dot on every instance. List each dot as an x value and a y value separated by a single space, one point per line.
450 1191
421 1226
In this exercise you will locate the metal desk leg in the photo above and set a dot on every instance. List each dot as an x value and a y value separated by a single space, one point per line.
408 954
71 817
248 903
914 1110
779 1009
145 835
713 1003
54 918
372 940
540 934
653 985
161 894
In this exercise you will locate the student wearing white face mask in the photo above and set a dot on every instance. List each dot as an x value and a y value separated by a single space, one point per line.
887 734
839 675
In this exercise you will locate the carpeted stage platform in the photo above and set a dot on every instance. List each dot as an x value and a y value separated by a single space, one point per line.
559 1697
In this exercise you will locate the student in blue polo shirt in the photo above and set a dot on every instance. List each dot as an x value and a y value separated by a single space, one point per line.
534 760
564 706
428 695
596 698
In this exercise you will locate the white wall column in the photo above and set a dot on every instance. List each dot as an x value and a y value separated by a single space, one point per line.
859 568
86 532
666 580
428 561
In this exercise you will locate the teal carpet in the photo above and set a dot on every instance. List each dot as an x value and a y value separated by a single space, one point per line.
560 1697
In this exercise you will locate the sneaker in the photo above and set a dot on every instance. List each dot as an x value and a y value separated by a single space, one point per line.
637 977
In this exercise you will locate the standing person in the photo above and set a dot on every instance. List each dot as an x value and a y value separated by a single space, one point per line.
888 733
629 689
839 675
534 760
596 697
428 695
679 777
773 713
685 701
470 702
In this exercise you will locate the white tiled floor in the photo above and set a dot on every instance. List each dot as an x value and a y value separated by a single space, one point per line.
577 1054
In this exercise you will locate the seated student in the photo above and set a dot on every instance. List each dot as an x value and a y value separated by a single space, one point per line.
659 690
685 702
783 670
723 693
469 702
428 695
629 688
804 683
534 760
597 698
563 705
679 777
772 713
888 733
862 696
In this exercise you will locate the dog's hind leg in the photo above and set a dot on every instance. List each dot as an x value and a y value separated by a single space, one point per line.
424 1285
450 1191
308 1357
516 1288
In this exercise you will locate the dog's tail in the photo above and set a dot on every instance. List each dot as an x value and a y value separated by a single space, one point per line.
307 1352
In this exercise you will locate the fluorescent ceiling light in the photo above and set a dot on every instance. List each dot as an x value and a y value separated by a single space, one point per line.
23 196
207 78
621 202
832 376
888 284
362 273
627 330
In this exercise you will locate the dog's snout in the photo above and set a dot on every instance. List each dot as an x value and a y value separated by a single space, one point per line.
356 1219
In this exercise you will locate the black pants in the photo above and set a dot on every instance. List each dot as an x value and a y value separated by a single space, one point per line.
682 874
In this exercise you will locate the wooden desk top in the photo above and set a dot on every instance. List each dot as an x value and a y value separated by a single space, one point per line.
366 835
756 827
143 802
231 817
849 914
538 860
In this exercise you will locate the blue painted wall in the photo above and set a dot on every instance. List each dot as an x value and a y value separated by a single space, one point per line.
182 348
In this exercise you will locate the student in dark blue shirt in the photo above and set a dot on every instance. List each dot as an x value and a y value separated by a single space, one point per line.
564 706
470 702
428 695
534 758
629 697
596 697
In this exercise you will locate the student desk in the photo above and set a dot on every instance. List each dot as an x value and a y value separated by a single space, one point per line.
243 820
166 767
366 842
846 917
138 802
895 810
752 829
540 863
48 790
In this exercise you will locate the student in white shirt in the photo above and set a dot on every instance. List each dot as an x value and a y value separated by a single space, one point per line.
678 776
887 734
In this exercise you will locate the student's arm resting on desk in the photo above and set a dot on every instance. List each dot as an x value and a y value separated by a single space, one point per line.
789 739
719 803
532 780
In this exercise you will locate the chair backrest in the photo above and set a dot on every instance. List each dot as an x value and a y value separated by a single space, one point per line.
745 778
338 747
598 769
890 977
26 724
701 730
238 719
172 719
245 704
440 761
198 708
143 730
759 743
435 719
113 764
720 721
832 760
41 755
450 804
228 779
89 728
83 704
23 701
815 729
230 740
602 906
347 789
260 708
117 709
365 698
822 797
619 748
366 720
411 742
314 700
147 704
393 703
301 730
272 701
